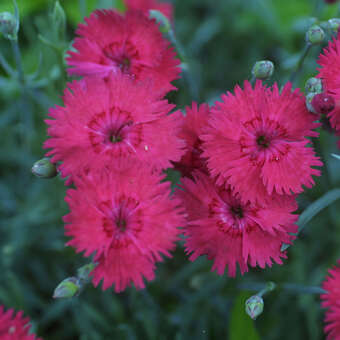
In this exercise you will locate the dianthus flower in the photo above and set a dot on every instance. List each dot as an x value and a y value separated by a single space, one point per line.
145 5
329 60
194 123
132 44
125 216
14 326
331 301
103 120
256 144
231 232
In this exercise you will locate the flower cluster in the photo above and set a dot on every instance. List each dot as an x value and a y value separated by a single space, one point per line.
248 157
243 161
14 326
112 139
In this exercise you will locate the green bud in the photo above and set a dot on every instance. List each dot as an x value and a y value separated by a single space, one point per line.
309 99
313 85
67 288
59 20
9 25
263 69
44 169
254 306
334 24
161 19
84 271
315 35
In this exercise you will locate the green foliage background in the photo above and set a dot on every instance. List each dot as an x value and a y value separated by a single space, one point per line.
223 39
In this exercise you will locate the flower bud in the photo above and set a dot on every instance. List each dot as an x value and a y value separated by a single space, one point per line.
59 20
330 1
44 169
161 19
9 25
334 24
315 35
67 288
323 103
263 69
309 106
254 306
313 85
84 271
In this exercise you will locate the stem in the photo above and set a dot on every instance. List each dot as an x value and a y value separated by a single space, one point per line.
300 63
8 69
18 61
289 287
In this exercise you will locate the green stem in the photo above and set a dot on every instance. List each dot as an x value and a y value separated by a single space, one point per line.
270 286
289 287
8 69
300 63
18 61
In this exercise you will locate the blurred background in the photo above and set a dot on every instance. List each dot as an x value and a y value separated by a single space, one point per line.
223 39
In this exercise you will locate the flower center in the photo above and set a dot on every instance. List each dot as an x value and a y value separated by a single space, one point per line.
262 141
237 211
114 131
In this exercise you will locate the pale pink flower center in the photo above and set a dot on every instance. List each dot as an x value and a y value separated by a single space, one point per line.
114 131
121 221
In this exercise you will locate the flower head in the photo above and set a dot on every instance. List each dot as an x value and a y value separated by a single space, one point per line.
329 60
231 232
125 216
256 142
194 123
14 326
330 300
132 44
145 5
103 120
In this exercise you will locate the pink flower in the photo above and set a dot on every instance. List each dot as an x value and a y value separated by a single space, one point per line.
329 60
323 103
145 5
231 232
331 301
105 120
256 144
194 123
125 216
132 44
14 326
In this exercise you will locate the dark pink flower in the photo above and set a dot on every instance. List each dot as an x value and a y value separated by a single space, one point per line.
13 326
331 301
256 144
194 123
132 44
329 60
231 232
145 5
105 120
323 103
124 216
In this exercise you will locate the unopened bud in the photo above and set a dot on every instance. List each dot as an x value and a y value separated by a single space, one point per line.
263 69
313 85
9 25
44 169
67 288
254 306
334 24
315 35
161 19
330 1
59 20
323 103
309 106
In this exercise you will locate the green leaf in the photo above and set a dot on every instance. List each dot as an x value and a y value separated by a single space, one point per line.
314 208
241 325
